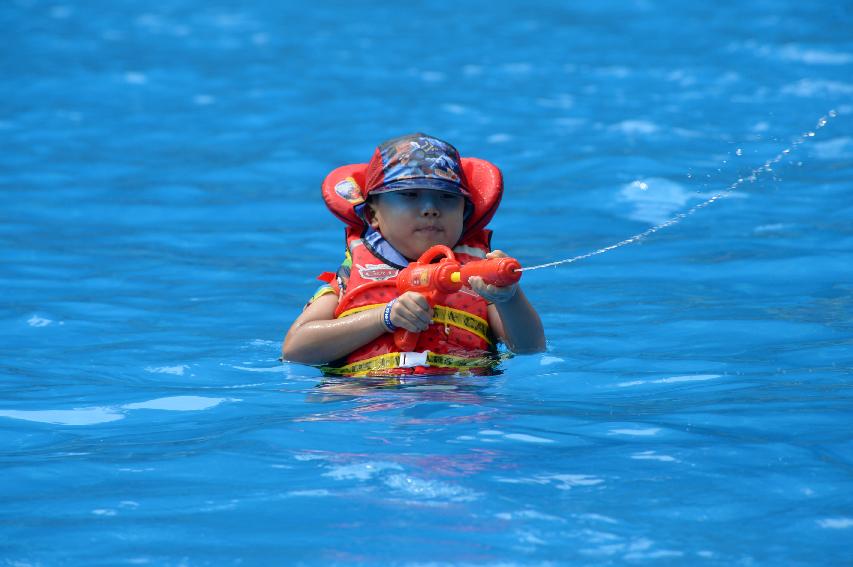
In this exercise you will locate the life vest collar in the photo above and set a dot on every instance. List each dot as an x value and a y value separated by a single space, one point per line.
383 249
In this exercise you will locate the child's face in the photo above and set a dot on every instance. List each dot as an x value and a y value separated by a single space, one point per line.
414 220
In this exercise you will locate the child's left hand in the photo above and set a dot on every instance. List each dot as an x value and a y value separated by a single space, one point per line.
491 292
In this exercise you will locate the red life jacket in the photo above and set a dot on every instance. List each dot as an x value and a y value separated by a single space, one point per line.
459 340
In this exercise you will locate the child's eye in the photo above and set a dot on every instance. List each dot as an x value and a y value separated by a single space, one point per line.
408 194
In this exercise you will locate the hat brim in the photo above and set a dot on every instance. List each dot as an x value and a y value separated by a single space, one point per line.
422 183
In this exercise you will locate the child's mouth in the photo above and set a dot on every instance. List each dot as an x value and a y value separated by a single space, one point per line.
429 229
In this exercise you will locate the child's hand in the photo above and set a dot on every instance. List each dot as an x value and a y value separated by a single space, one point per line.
412 312
491 292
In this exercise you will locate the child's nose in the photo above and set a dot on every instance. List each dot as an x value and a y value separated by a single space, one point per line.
429 207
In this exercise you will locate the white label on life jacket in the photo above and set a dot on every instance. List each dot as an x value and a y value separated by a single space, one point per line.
412 359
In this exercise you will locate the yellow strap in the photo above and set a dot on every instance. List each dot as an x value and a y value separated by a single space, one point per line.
360 309
462 320
445 315
391 360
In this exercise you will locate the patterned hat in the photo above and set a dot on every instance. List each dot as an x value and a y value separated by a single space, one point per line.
416 161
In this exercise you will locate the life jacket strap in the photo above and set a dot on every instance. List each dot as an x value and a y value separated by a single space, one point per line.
463 320
444 315
355 310
393 360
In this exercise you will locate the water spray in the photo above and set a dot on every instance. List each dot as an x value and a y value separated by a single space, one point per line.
751 178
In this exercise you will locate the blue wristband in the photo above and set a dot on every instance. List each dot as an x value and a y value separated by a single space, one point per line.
386 316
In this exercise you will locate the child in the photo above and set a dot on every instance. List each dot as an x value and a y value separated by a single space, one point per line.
416 192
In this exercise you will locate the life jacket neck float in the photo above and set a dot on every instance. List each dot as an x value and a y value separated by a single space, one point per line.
460 339
343 193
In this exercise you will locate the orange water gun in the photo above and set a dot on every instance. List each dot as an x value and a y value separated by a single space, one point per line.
437 280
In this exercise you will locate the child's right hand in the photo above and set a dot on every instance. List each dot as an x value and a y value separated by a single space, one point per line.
412 312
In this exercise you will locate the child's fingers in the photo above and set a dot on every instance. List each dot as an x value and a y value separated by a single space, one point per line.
416 304
480 286
417 318
413 324
413 297
412 312
491 292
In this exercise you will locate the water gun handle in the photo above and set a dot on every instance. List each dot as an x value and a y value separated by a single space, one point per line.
406 340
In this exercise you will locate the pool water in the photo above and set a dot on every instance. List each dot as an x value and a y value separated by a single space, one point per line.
161 227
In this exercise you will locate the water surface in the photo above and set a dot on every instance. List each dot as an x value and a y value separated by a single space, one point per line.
162 226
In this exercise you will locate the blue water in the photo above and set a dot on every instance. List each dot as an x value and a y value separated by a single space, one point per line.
161 227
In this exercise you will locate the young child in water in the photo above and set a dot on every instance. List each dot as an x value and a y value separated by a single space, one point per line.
416 194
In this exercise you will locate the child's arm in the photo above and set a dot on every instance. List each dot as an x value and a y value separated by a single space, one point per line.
316 337
511 316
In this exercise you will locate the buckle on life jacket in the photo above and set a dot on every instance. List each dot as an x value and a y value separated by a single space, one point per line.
412 359
390 363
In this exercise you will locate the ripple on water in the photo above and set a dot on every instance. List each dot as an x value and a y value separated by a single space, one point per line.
78 416
360 471
808 88
559 481
528 515
36 321
653 456
494 436
797 53
633 549
106 414
635 128
835 523
636 432
813 56
316 493
430 489
670 380
179 403
177 370
837 148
